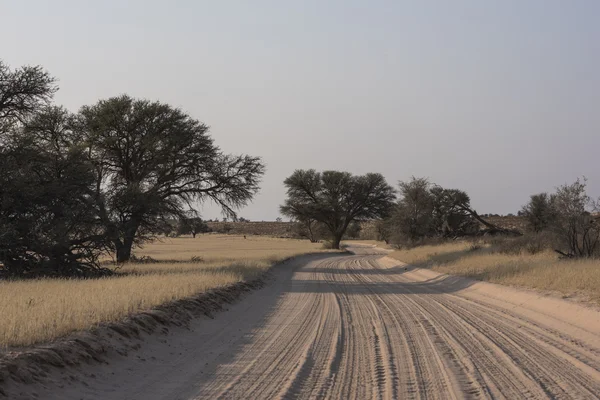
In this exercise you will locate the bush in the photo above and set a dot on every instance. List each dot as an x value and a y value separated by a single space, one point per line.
539 212
193 226
532 243
575 225
402 242
327 245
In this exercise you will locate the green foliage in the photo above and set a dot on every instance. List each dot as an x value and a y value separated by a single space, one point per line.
413 216
23 92
539 212
192 226
452 212
353 231
384 230
573 221
313 230
111 176
152 162
49 226
425 210
335 199
568 215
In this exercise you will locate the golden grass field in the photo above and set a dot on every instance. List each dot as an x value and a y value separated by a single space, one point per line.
42 310
542 271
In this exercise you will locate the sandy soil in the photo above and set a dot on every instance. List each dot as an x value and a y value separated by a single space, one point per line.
359 327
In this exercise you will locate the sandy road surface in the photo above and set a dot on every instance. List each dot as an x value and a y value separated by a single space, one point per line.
363 327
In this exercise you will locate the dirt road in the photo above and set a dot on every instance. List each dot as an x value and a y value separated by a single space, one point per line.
363 327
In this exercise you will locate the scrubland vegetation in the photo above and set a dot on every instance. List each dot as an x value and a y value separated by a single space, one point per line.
39 310
85 195
511 262
76 186
558 251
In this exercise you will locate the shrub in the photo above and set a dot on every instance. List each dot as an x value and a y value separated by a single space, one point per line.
402 242
475 247
327 245
532 243
577 228
539 212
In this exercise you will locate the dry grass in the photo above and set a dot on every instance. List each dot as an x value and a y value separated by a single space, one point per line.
381 245
429 255
42 310
543 271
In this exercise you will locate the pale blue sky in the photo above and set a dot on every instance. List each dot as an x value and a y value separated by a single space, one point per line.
499 98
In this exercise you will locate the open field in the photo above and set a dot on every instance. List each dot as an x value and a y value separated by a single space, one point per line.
542 271
42 310
360 326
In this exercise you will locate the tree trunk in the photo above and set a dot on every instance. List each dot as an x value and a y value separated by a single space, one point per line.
336 242
123 252
194 235
124 247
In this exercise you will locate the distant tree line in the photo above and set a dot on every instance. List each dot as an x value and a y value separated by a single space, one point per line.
330 205
75 186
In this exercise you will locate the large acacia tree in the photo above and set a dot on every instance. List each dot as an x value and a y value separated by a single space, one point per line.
49 227
47 223
154 162
336 199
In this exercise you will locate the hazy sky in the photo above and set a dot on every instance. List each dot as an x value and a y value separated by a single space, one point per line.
499 98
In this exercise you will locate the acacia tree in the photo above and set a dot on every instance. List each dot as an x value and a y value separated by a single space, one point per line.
574 222
153 162
413 214
47 222
23 91
452 212
49 227
427 210
539 212
309 228
336 199
192 225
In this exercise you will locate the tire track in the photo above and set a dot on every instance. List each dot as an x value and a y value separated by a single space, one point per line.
356 327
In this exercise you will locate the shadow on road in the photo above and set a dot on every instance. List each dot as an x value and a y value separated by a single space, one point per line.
361 274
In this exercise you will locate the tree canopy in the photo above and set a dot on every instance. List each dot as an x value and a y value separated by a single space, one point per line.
336 199
103 179
48 226
192 225
47 217
153 162
539 211
22 92
427 210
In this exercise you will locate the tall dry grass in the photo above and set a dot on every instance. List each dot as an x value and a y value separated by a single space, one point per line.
42 310
543 271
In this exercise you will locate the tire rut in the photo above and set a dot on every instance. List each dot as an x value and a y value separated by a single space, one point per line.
361 327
